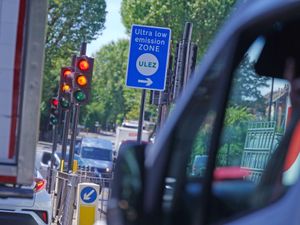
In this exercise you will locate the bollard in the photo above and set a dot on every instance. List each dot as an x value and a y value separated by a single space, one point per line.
62 165
75 166
87 203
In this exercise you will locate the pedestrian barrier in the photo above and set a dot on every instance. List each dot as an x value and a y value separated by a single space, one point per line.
64 188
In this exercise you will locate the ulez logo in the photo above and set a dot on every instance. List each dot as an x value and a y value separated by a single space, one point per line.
147 64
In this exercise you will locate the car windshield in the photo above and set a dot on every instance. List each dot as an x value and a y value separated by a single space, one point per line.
96 153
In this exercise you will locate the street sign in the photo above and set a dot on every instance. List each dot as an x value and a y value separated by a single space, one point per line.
87 202
88 195
148 57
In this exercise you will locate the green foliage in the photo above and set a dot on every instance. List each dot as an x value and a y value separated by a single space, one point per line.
247 86
69 24
206 16
233 137
237 114
203 138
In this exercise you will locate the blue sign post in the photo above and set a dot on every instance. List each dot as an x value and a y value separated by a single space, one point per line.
148 57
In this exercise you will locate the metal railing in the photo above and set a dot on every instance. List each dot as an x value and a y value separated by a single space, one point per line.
64 191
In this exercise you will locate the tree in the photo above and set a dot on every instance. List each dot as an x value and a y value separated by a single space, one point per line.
234 133
69 23
247 86
206 16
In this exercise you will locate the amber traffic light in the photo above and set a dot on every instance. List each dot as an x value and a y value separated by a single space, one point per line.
81 80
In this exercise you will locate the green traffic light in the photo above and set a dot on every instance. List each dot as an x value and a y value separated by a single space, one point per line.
79 96
64 103
53 120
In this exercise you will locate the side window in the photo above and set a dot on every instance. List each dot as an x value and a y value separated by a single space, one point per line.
255 120
46 158
256 117
196 124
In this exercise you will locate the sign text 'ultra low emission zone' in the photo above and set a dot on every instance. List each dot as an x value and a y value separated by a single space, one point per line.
148 57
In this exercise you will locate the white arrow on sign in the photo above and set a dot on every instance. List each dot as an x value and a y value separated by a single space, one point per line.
148 81
87 196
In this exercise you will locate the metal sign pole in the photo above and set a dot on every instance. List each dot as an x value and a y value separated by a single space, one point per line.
141 118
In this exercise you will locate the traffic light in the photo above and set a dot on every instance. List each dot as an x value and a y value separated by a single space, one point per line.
54 111
66 87
82 79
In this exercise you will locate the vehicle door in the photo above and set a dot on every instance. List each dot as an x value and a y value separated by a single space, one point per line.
235 110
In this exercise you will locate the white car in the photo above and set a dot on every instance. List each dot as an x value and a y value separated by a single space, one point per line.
28 211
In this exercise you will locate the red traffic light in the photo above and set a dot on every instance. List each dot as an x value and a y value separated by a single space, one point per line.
83 65
54 102
67 72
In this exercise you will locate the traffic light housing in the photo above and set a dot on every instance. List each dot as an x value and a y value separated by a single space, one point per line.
82 79
54 113
66 87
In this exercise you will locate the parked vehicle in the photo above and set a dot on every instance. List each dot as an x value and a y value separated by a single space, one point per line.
236 109
98 155
43 161
128 132
35 210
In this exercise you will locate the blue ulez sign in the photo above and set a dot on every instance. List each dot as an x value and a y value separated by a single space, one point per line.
148 57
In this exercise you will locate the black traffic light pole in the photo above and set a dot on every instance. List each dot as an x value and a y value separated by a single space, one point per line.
54 147
65 136
75 120
73 136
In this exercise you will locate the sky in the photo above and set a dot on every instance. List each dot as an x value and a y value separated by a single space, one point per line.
114 29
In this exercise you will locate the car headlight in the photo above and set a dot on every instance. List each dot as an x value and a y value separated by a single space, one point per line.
107 169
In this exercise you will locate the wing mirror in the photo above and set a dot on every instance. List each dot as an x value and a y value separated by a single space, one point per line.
126 201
